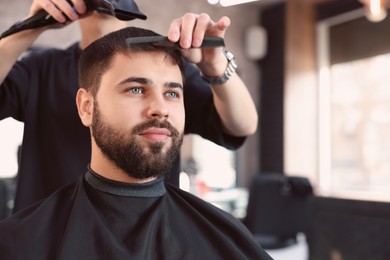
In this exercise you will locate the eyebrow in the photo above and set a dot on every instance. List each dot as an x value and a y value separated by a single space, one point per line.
146 81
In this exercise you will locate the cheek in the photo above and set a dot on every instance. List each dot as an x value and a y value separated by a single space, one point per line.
179 118
124 117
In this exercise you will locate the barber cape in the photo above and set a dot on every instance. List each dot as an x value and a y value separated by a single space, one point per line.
96 218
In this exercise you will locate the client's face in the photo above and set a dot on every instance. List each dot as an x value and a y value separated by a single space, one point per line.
138 115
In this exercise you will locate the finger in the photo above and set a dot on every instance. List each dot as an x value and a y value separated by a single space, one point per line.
80 6
67 9
188 23
222 25
203 23
217 29
49 7
174 30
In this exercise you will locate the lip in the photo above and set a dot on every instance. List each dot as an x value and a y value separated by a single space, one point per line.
156 134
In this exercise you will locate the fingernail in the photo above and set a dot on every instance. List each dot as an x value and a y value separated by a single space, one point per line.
187 44
173 37
197 42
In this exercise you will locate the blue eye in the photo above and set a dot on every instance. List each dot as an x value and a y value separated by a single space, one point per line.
172 94
136 90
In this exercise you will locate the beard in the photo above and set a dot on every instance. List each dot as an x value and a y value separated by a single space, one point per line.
137 160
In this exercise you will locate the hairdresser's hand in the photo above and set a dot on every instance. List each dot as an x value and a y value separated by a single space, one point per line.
189 30
60 9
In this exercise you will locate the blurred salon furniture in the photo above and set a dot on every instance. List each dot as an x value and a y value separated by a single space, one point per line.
7 190
277 209
348 229
6 196
3 199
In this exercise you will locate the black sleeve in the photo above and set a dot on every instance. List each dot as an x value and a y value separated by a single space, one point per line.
201 115
14 90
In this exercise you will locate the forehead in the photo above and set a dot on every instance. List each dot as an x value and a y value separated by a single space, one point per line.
153 65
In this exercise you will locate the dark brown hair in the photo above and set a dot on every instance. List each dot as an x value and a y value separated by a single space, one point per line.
96 58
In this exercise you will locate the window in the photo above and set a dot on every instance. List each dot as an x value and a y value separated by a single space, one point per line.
354 107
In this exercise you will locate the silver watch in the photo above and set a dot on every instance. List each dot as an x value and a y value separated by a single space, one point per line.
230 70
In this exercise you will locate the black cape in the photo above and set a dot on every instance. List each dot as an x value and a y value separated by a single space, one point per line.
96 218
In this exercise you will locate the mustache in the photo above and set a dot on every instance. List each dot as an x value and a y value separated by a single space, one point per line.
157 124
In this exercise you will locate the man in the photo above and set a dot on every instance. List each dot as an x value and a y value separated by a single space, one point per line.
40 89
131 99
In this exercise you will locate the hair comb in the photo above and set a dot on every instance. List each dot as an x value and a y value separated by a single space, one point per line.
208 42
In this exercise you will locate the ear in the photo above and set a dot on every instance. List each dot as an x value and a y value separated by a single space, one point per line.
84 101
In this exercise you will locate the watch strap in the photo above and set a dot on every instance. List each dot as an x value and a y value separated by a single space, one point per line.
230 70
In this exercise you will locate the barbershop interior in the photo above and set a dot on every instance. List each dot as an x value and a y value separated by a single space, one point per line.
313 182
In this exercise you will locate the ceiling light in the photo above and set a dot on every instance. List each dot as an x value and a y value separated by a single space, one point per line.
376 10
234 2
213 2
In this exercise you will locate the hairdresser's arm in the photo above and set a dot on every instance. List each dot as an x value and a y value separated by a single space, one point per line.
13 46
232 99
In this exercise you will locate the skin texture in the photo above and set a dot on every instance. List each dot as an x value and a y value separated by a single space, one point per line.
130 95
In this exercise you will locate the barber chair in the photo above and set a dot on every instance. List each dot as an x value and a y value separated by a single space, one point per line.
277 209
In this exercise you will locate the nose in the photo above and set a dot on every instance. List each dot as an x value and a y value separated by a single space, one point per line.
158 108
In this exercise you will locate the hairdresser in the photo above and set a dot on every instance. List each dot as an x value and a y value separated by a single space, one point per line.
39 90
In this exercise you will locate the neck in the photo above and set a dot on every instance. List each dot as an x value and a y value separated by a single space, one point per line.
96 26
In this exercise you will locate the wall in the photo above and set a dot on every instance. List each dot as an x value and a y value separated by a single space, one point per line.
272 91
160 13
300 149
